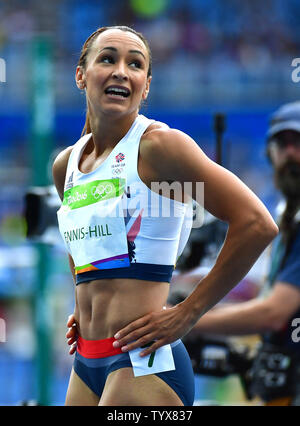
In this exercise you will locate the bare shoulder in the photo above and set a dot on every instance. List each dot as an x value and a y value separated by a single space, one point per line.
170 146
59 169
168 154
162 139
157 125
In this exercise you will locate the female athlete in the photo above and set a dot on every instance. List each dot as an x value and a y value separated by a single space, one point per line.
124 230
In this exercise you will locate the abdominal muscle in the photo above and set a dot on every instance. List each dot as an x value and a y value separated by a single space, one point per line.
103 307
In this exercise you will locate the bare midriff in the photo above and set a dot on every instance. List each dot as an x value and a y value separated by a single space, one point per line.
103 307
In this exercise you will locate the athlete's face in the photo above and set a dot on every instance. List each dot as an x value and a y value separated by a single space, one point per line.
115 76
285 155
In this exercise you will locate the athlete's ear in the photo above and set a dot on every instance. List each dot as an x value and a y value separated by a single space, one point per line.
147 88
80 78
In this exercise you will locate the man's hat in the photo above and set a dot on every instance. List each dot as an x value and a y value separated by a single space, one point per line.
286 117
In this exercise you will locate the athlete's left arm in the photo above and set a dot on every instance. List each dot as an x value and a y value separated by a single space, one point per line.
250 229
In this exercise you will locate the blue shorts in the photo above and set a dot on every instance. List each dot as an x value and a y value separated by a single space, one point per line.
94 370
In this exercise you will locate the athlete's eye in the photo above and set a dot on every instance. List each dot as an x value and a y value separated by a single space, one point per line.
136 64
107 59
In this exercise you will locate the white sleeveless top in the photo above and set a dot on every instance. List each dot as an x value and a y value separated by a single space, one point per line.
112 224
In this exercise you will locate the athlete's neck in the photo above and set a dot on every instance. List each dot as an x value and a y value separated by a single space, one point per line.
107 131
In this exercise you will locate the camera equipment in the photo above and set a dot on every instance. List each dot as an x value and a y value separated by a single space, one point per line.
220 359
40 206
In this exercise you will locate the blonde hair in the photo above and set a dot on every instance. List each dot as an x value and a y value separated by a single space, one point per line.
87 47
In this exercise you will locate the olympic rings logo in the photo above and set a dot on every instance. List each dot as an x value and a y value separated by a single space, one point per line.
102 190
117 171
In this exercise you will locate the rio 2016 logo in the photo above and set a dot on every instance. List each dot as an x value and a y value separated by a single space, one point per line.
102 190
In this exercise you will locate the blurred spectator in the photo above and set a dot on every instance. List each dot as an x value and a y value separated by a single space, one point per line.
243 38
275 373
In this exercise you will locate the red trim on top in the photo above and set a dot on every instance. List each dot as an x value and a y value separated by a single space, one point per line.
97 348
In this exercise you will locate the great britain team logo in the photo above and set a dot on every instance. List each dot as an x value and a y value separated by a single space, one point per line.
120 157
119 165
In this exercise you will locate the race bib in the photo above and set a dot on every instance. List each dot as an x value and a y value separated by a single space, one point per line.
157 362
92 225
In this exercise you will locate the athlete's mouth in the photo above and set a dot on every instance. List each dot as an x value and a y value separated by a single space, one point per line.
117 91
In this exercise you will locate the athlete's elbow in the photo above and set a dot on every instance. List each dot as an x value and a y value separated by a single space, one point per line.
264 228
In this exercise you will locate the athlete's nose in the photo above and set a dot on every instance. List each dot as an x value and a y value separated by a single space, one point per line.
119 72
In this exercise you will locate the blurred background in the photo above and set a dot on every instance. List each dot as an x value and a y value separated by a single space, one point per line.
209 56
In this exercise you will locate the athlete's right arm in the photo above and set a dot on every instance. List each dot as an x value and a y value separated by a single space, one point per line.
59 169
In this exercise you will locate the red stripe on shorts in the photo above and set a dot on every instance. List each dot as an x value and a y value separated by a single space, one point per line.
97 348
